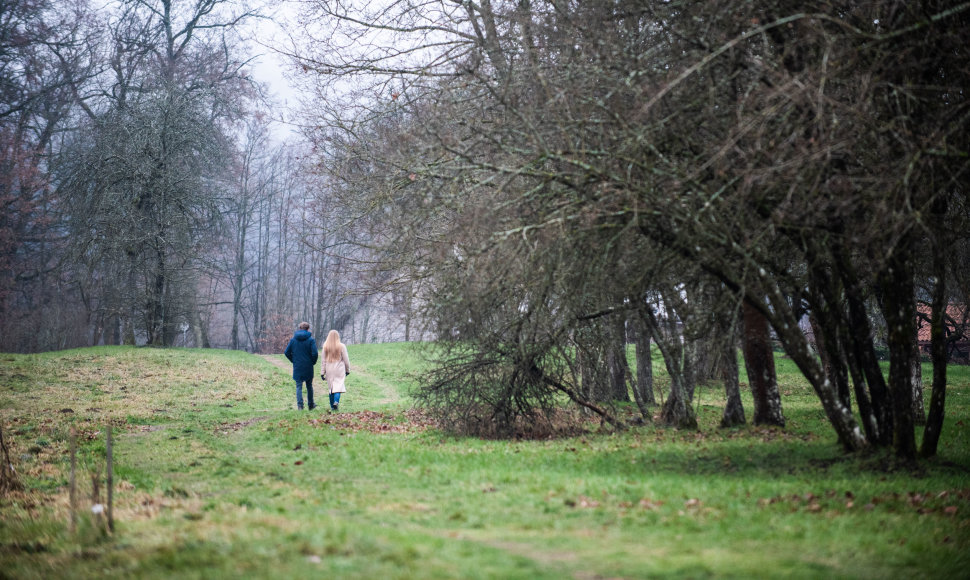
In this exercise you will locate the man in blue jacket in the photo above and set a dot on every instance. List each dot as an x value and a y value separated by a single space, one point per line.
302 352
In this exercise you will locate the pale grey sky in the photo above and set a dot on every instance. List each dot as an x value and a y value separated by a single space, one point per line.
270 68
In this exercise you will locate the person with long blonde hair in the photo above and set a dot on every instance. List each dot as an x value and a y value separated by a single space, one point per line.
336 367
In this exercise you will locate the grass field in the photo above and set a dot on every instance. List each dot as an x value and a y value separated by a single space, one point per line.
217 475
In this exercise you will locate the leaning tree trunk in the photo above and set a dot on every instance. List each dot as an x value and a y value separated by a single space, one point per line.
643 386
727 344
833 365
880 411
759 361
676 410
594 385
934 419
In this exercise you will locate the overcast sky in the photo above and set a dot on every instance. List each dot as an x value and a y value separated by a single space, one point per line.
269 67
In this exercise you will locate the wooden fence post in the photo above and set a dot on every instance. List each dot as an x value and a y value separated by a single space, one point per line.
8 475
73 483
111 521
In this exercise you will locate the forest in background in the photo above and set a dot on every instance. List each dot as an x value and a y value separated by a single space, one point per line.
146 198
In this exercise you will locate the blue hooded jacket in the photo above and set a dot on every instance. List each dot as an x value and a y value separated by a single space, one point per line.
302 352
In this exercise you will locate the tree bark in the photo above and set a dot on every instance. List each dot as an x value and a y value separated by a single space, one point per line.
733 410
832 363
881 415
898 308
934 419
916 376
689 366
759 361
619 369
644 384
676 410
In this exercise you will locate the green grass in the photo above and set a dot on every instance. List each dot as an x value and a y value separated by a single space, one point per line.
218 475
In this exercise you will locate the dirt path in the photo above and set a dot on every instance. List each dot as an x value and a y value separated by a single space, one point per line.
275 360
389 391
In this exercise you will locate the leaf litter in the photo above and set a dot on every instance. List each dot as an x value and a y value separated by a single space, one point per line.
410 421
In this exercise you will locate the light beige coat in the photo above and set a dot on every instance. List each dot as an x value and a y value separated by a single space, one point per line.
336 372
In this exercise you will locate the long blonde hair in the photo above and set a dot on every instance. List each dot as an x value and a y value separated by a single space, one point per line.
332 347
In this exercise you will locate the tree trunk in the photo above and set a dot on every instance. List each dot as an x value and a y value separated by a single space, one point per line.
916 376
587 376
827 284
169 330
407 312
708 351
759 361
898 308
156 302
129 331
865 356
689 365
676 410
869 423
198 330
733 409
644 384
616 361
832 364
934 419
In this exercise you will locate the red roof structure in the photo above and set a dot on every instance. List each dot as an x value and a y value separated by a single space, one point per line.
956 321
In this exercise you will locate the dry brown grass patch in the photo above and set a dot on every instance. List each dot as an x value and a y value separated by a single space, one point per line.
412 420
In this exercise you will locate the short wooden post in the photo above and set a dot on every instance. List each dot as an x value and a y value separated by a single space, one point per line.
73 483
111 521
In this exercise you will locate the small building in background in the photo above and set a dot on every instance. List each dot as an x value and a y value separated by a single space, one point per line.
956 329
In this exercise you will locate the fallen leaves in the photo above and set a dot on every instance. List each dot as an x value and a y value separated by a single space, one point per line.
581 502
410 421
226 428
946 502
586 502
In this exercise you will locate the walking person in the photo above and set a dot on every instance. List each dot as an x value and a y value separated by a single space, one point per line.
302 352
336 366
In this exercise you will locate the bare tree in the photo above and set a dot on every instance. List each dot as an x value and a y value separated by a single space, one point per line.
146 192
44 46
748 141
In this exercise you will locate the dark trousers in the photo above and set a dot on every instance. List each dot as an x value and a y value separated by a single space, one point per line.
309 394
